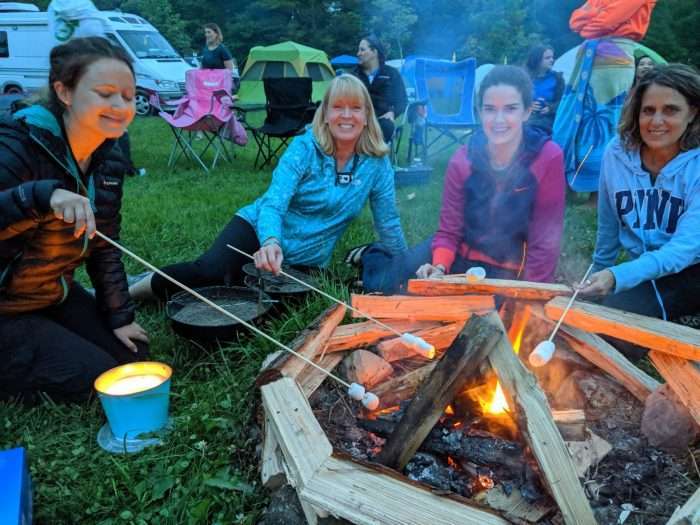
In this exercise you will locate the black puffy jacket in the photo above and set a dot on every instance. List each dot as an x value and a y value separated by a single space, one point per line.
38 252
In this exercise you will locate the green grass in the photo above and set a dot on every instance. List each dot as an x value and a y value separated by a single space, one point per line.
207 471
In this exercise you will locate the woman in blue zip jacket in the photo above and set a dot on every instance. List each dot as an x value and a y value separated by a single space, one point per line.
61 177
321 184
649 201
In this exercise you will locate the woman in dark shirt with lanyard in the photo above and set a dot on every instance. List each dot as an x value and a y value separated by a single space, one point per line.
215 55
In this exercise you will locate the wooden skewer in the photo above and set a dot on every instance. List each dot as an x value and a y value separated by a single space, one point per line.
544 351
408 338
578 170
219 309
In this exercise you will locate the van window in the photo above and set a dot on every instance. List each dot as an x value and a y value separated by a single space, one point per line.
317 72
114 41
4 47
148 44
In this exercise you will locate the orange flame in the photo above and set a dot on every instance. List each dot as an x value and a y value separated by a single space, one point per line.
498 403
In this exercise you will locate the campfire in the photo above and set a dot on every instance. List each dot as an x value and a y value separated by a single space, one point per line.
472 436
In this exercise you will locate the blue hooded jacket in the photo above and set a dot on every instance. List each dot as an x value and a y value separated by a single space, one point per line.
658 224
307 210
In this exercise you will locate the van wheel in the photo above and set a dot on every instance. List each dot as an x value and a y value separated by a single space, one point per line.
143 106
13 90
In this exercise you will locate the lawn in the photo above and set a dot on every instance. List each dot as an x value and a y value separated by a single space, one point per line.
207 471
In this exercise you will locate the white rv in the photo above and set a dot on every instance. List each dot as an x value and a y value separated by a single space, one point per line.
25 43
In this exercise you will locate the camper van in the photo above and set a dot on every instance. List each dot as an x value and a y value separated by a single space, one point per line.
25 43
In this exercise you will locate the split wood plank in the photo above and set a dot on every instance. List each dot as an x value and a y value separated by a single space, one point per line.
309 343
534 418
450 376
688 514
365 496
357 335
272 471
440 337
446 308
683 377
398 389
606 357
571 424
304 444
310 378
655 334
458 284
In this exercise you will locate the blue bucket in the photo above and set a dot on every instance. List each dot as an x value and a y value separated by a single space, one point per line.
135 397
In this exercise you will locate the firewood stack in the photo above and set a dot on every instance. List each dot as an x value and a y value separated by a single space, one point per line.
460 320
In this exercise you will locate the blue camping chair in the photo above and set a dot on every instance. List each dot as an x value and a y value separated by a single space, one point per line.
448 88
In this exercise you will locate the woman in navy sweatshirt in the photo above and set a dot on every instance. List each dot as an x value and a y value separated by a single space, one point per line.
649 203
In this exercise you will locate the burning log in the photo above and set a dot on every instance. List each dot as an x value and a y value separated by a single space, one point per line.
356 335
453 442
683 377
458 284
453 308
309 343
606 357
451 374
655 334
531 411
440 337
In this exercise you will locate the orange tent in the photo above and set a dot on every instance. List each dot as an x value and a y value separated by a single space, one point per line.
621 18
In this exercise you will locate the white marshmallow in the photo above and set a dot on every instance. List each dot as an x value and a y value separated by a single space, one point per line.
356 391
418 344
542 353
475 274
370 401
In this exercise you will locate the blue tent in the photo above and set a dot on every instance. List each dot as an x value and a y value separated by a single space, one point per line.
344 61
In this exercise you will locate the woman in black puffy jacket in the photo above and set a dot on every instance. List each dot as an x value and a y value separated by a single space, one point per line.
61 177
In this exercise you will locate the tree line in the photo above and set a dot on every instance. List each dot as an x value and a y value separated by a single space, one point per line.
493 31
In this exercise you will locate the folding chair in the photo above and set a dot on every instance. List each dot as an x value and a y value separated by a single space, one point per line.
448 90
201 116
289 109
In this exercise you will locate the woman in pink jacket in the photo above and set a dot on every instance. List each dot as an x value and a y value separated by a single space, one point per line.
503 201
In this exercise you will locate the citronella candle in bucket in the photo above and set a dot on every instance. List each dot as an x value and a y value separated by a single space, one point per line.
135 398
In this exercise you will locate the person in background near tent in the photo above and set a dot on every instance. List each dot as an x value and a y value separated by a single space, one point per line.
589 112
643 64
320 185
503 201
214 54
60 180
384 83
548 87
649 201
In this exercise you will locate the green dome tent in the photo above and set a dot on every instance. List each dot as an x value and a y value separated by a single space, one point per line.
287 59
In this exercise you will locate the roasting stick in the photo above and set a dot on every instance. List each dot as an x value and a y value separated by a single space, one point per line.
544 351
578 170
413 341
355 390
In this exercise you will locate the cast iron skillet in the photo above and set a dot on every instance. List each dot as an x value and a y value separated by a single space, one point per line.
277 285
194 319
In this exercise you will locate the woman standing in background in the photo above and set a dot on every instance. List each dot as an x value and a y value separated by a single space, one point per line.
215 55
